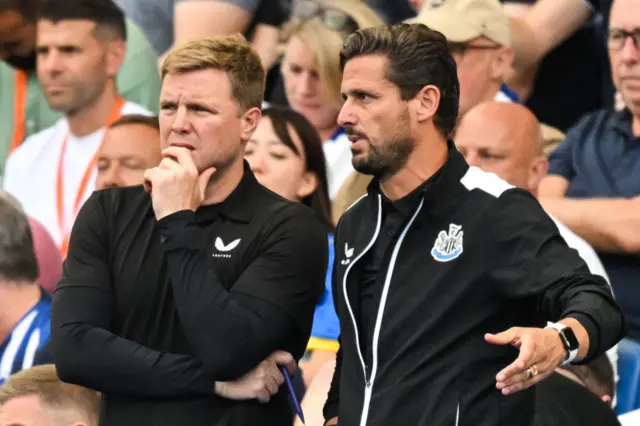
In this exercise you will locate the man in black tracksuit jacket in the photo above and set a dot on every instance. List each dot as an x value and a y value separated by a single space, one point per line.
421 278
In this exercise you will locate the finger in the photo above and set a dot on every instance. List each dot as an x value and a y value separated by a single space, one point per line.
271 385
513 380
148 178
523 361
204 178
504 338
285 359
169 163
263 396
525 384
182 156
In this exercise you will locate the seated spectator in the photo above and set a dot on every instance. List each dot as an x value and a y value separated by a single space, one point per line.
593 185
478 34
131 145
285 154
36 397
25 310
53 171
510 146
577 396
24 110
312 41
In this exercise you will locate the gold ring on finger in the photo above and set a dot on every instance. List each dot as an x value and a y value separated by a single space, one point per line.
532 372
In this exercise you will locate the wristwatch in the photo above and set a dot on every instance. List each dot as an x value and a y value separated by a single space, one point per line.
569 341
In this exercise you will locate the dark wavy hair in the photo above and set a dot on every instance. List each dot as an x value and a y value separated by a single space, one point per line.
281 118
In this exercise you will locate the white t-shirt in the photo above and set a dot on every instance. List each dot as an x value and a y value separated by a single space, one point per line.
31 172
337 154
631 418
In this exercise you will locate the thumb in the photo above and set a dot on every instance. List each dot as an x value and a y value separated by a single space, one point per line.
285 359
203 180
503 338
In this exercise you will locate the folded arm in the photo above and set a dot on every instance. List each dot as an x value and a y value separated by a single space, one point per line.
232 331
85 351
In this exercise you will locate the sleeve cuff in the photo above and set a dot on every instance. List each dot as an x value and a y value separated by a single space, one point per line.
180 230
594 336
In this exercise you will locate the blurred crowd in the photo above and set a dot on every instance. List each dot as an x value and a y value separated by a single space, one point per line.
550 102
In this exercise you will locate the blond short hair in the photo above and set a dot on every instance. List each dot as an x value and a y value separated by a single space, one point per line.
43 382
327 44
231 54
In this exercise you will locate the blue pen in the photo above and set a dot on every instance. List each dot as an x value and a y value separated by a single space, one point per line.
292 392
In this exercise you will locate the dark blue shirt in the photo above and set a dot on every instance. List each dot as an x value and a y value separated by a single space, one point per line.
600 157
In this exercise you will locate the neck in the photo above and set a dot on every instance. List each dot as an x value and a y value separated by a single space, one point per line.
325 134
95 116
223 183
426 159
635 126
22 296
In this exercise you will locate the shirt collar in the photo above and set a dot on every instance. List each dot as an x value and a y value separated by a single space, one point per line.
622 121
236 205
433 188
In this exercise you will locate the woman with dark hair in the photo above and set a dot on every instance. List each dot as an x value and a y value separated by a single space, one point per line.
285 154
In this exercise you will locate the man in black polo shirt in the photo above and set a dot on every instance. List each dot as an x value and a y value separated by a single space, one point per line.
594 182
445 276
179 306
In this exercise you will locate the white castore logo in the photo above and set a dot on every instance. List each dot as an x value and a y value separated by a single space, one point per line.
348 252
221 247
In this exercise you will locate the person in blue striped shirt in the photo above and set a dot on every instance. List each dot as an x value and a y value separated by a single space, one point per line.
25 310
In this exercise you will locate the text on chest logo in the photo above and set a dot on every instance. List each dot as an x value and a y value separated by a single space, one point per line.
221 247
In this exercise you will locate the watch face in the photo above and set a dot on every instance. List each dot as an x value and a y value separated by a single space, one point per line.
571 338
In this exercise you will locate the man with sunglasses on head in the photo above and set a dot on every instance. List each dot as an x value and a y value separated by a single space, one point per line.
593 185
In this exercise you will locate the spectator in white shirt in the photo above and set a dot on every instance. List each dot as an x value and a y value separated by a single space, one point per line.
80 48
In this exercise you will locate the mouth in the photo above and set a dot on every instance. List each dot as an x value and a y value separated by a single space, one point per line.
183 145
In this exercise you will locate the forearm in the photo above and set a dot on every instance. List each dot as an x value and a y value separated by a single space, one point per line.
585 303
230 333
93 357
331 406
611 225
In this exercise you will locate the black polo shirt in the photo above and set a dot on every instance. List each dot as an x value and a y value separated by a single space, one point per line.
600 158
152 313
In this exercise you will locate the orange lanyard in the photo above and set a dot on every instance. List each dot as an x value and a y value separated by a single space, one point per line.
19 107
64 248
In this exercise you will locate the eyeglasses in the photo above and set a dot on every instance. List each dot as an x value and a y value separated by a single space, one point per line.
618 37
333 19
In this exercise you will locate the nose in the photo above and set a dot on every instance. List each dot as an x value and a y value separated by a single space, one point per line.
630 52
181 123
109 178
346 117
471 158
49 62
307 84
257 163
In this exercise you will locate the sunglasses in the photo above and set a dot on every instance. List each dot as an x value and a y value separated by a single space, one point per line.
333 19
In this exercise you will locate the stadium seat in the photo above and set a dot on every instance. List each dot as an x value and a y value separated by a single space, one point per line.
629 372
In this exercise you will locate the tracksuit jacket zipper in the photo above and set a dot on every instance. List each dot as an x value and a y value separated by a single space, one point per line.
369 380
